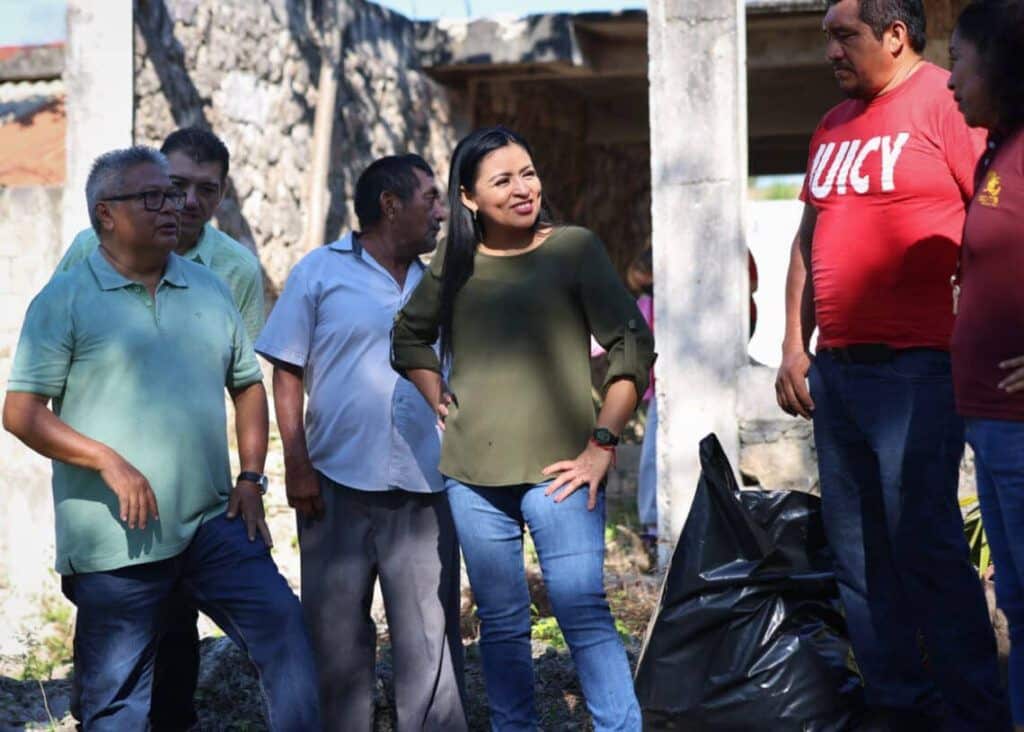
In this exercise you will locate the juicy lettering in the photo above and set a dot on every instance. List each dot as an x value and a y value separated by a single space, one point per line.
854 163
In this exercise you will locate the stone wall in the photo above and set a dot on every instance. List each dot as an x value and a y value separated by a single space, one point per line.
249 71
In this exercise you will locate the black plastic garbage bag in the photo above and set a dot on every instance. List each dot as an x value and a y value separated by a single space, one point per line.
748 634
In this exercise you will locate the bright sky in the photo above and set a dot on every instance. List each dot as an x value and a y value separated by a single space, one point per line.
24 22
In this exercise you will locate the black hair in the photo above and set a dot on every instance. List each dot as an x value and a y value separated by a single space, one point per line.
394 173
464 231
879 15
996 29
201 145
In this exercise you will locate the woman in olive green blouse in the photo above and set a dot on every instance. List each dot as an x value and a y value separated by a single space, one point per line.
515 300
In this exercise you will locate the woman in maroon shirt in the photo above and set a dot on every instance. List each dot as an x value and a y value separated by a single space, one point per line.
988 339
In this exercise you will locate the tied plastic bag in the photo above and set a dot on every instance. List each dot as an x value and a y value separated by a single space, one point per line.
748 634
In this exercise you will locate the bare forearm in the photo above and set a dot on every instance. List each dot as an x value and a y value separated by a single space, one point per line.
428 383
251 426
27 417
289 400
619 404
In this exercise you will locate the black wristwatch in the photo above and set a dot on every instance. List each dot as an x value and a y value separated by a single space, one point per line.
258 478
604 437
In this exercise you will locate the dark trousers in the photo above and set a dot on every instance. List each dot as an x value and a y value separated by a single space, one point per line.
175 669
889 446
123 614
407 541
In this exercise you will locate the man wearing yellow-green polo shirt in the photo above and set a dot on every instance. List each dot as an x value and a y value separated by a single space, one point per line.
134 347
199 163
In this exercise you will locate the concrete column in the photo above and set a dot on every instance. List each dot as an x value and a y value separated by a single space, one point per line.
698 178
98 78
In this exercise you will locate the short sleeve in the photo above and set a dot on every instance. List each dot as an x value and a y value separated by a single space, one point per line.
45 347
288 334
805 195
245 369
416 328
614 319
84 244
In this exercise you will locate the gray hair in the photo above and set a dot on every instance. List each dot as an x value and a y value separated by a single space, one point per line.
107 174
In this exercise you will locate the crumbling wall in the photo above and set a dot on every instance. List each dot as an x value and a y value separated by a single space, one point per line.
30 246
249 71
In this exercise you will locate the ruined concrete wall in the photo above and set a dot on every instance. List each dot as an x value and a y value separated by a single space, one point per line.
30 246
249 71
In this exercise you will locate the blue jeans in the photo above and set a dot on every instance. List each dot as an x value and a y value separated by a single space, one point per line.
123 613
889 446
570 545
999 461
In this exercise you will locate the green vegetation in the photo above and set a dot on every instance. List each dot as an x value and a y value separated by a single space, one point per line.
53 650
976 539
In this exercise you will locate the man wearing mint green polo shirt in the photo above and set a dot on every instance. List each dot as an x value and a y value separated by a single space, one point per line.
135 346
199 164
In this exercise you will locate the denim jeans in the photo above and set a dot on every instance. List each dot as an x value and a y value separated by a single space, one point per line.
999 461
570 545
123 613
889 446
175 670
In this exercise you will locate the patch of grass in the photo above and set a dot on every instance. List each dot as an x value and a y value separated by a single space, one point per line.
53 650
546 630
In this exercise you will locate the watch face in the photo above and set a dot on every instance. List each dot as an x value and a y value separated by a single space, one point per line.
604 436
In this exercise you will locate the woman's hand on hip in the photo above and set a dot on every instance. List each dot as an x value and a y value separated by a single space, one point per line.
589 469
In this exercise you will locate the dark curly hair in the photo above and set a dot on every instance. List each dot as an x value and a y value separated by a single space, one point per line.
996 29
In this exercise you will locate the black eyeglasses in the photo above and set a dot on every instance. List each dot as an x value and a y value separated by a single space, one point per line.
153 200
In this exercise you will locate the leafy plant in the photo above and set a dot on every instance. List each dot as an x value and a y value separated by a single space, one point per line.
981 556
547 631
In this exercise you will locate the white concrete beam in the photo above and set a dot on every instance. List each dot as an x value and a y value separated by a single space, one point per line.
98 78
698 181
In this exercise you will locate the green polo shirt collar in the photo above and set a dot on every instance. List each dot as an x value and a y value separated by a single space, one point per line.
110 279
203 251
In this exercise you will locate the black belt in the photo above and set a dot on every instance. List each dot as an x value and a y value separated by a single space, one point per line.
869 353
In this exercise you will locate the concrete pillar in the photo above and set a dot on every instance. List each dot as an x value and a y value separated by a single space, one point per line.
98 78
698 178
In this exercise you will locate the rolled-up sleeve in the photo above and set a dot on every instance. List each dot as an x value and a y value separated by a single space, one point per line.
288 334
615 320
416 328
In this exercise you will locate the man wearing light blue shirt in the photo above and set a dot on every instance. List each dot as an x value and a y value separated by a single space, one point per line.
361 470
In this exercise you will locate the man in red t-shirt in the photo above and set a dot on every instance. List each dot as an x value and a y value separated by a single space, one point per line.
889 172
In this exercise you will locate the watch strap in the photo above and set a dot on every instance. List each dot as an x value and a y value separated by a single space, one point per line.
258 478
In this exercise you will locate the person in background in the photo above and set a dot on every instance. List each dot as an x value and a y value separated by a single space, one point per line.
986 50
515 300
889 173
